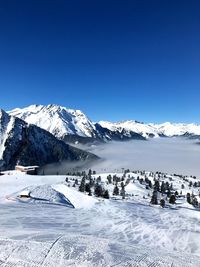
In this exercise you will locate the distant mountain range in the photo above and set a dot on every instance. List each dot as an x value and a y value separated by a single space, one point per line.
27 144
74 126
39 135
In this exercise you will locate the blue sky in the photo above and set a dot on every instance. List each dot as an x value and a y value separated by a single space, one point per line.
115 60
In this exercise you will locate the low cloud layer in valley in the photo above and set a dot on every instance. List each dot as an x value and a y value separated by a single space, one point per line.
172 155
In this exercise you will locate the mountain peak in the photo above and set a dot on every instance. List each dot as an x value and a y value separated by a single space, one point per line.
56 119
3 113
28 144
65 123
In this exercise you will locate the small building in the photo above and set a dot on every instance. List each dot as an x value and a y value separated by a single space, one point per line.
27 169
24 194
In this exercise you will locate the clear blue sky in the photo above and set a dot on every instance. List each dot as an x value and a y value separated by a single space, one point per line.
114 60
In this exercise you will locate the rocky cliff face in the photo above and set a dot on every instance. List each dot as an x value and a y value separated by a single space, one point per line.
27 144
73 126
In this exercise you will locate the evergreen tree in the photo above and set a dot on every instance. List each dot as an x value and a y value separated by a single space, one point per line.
162 188
171 186
106 194
99 179
91 182
168 193
150 184
82 185
109 178
87 188
98 191
172 199
188 197
195 202
162 203
116 191
90 192
154 198
90 173
157 186
122 192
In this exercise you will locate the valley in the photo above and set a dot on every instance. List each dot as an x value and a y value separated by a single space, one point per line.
105 194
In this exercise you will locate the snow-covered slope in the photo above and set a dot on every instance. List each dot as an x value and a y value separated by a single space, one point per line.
69 125
177 129
144 129
46 231
27 144
153 130
73 125
57 120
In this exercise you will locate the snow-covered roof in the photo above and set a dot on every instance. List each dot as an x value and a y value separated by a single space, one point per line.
26 168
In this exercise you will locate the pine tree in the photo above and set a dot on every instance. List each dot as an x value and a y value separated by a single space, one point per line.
162 189
157 186
195 202
188 197
172 199
87 188
150 184
90 192
162 203
154 199
122 192
98 191
109 178
82 185
90 173
106 194
116 191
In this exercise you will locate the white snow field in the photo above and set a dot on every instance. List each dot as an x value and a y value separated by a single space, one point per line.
45 229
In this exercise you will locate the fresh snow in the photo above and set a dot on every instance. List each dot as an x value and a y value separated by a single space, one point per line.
47 231
167 129
45 188
56 119
78 199
61 121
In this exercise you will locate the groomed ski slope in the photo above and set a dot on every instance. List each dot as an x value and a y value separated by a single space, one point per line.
95 233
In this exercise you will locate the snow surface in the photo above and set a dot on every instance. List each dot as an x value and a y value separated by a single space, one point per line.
56 119
42 188
167 129
95 233
61 121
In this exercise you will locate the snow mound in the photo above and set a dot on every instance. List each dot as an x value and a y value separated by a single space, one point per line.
58 194
79 200
42 194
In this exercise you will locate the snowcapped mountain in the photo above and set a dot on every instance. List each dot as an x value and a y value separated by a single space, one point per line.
154 130
74 126
27 144
131 126
69 125
177 129
57 120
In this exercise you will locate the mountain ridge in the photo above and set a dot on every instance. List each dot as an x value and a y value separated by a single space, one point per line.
74 126
27 144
